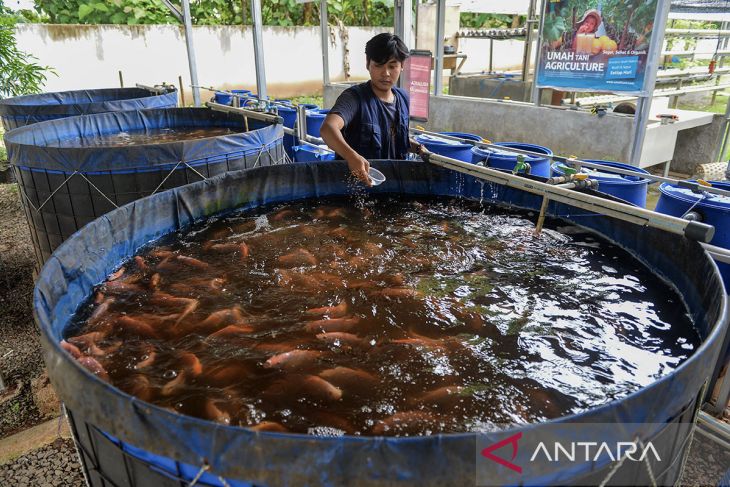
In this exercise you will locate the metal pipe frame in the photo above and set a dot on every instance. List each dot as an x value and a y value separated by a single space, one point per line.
650 73
623 211
301 123
697 32
578 163
438 68
324 37
164 88
403 21
528 41
192 63
264 117
258 49
714 429
535 90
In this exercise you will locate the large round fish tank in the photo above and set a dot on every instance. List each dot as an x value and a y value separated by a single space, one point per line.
25 110
125 441
65 187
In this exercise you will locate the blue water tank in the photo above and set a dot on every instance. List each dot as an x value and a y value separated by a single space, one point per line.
125 441
449 148
65 187
628 188
25 110
497 159
315 118
307 153
289 114
713 209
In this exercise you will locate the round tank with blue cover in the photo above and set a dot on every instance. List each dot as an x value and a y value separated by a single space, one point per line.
447 147
315 118
289 114
506 160
128 442
65 187
712 209
25 110
628 188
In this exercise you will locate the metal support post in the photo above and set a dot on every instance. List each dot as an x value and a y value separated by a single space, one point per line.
403 21
538 49
301 124
526 58
324 36
720 153
652 63
491 55
191 51
258 49
438 69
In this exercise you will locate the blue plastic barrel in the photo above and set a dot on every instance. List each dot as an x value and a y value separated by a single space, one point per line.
289 114
223 98
713 209
25 110
628 188
315 118
449 148
149 445
539 166
307 153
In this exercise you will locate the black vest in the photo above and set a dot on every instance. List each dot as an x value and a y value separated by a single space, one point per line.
366 134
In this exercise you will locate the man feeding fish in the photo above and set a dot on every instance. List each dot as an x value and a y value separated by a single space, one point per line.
370 120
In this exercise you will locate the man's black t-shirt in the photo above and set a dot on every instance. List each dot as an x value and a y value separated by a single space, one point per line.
347 106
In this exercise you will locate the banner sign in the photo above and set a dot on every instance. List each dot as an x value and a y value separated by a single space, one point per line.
417 82
596 45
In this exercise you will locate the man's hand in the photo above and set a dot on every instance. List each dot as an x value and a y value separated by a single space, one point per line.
359 167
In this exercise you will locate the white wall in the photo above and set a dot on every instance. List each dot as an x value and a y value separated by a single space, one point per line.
90 56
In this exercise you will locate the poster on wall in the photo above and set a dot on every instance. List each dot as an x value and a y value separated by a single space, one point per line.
596 45
417 82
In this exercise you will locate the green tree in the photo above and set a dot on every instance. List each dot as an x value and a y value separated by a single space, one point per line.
215 12
19 74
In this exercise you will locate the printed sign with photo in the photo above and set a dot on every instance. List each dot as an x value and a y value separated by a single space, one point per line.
596 45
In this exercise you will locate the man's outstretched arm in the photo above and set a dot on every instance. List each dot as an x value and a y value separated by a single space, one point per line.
331 133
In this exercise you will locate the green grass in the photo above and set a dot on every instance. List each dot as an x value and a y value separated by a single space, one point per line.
719 106
315 99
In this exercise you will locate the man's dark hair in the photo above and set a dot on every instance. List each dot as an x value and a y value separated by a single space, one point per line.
384 47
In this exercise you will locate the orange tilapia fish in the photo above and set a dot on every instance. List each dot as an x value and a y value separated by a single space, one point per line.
337 311
298 258
406 423
344 324
348 378
294 360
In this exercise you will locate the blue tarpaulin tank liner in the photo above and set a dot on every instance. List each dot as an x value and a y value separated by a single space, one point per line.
168 445
25 110
629 188
64 188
